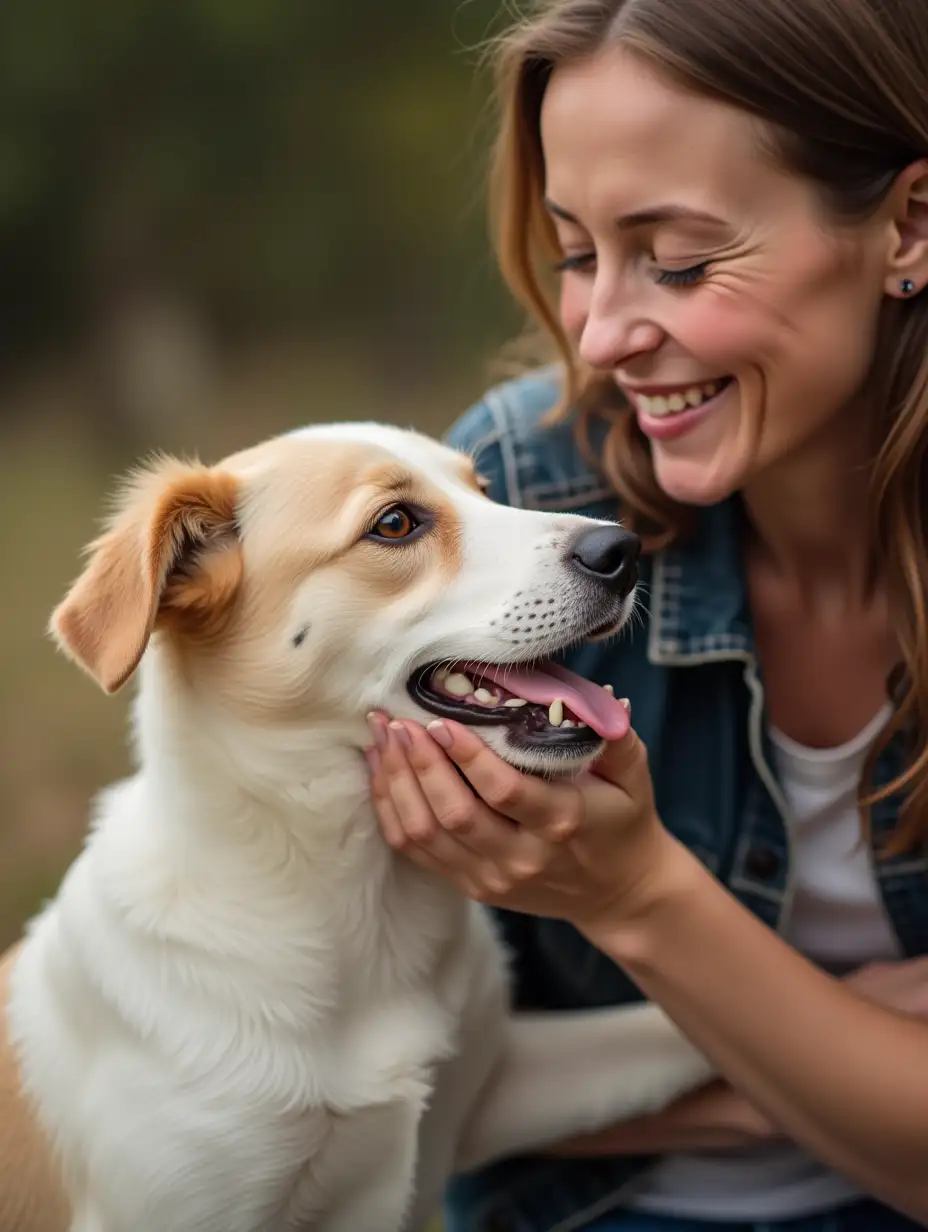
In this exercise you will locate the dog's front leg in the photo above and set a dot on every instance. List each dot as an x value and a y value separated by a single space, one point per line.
564 1074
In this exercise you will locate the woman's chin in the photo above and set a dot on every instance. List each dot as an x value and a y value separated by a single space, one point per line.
694 482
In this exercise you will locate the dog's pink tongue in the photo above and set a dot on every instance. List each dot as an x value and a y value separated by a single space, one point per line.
590 703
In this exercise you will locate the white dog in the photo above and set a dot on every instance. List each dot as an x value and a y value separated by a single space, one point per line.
242 1012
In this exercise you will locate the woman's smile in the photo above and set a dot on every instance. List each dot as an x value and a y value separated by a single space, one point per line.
667 412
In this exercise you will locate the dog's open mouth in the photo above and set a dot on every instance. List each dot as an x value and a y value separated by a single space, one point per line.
546 704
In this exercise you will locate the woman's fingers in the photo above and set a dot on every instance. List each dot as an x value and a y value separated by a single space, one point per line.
484 834
550 810
398 782
461 817
427 810
455 806
422 840
387 815
419 794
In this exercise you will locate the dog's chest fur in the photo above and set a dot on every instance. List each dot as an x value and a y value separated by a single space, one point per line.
284 981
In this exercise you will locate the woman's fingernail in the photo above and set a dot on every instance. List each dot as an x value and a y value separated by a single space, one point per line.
623 701
378 729
440 734
372 758
401 734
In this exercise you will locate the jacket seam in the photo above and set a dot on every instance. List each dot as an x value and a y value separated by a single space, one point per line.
498 408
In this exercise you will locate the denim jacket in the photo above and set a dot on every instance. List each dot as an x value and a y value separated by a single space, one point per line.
697 697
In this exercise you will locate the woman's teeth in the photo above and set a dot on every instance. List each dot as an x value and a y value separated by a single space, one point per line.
683 400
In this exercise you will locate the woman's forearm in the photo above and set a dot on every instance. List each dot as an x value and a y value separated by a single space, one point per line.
713 1118
840 1075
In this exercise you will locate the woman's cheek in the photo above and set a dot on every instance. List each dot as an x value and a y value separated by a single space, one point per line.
574 307
722 333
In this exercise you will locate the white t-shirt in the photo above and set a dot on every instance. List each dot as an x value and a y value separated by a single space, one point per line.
838 921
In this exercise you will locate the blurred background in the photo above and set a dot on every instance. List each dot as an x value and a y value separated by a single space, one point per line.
219 219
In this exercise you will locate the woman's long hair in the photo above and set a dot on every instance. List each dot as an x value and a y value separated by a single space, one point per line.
842 86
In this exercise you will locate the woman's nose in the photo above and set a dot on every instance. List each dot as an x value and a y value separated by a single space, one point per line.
616 329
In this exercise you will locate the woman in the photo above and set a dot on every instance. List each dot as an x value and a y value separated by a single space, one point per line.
734 196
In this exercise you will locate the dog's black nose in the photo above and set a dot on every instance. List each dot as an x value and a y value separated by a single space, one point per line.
610 554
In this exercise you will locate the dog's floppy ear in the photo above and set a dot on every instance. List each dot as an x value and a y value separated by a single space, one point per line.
169 555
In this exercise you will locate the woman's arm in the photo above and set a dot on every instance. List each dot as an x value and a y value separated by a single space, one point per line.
714 1118
844 1077
839 1074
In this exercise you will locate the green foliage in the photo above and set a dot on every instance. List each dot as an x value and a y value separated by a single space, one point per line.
280 161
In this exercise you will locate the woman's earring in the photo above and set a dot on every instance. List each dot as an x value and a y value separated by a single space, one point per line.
907 286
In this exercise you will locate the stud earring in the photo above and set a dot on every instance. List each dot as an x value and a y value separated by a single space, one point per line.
907 286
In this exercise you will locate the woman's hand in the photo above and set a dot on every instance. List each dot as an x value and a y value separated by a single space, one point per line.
572 849
901 985
713 1118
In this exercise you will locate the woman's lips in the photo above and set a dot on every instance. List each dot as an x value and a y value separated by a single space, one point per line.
673 412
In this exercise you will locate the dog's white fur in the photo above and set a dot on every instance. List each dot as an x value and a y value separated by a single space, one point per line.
242 1012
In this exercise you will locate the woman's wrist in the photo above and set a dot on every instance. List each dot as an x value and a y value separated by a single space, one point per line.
629 928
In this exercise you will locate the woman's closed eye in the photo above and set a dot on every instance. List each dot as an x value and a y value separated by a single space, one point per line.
584 262
577 262
688 277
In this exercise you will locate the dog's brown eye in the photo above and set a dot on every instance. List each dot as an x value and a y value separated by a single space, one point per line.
397 522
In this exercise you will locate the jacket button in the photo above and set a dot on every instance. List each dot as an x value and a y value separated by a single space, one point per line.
762 862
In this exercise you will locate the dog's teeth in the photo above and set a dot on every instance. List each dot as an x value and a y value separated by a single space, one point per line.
458 685
514 702
569 723
556 713
609 689
485 696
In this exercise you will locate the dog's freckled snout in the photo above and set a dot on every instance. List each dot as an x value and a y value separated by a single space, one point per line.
610 555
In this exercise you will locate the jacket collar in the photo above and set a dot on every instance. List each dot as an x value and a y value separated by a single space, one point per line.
699 603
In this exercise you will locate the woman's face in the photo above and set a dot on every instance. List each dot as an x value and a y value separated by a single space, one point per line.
738 321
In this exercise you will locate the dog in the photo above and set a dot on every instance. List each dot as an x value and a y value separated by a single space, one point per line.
242 1011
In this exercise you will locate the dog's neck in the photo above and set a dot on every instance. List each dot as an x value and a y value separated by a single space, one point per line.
310 779
282 825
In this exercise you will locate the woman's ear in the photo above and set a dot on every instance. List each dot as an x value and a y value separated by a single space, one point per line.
907 258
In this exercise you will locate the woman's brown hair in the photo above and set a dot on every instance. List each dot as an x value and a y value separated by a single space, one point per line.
842 87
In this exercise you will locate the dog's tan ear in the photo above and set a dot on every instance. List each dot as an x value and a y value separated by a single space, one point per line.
169 555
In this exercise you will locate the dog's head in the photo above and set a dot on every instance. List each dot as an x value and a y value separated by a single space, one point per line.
353 567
